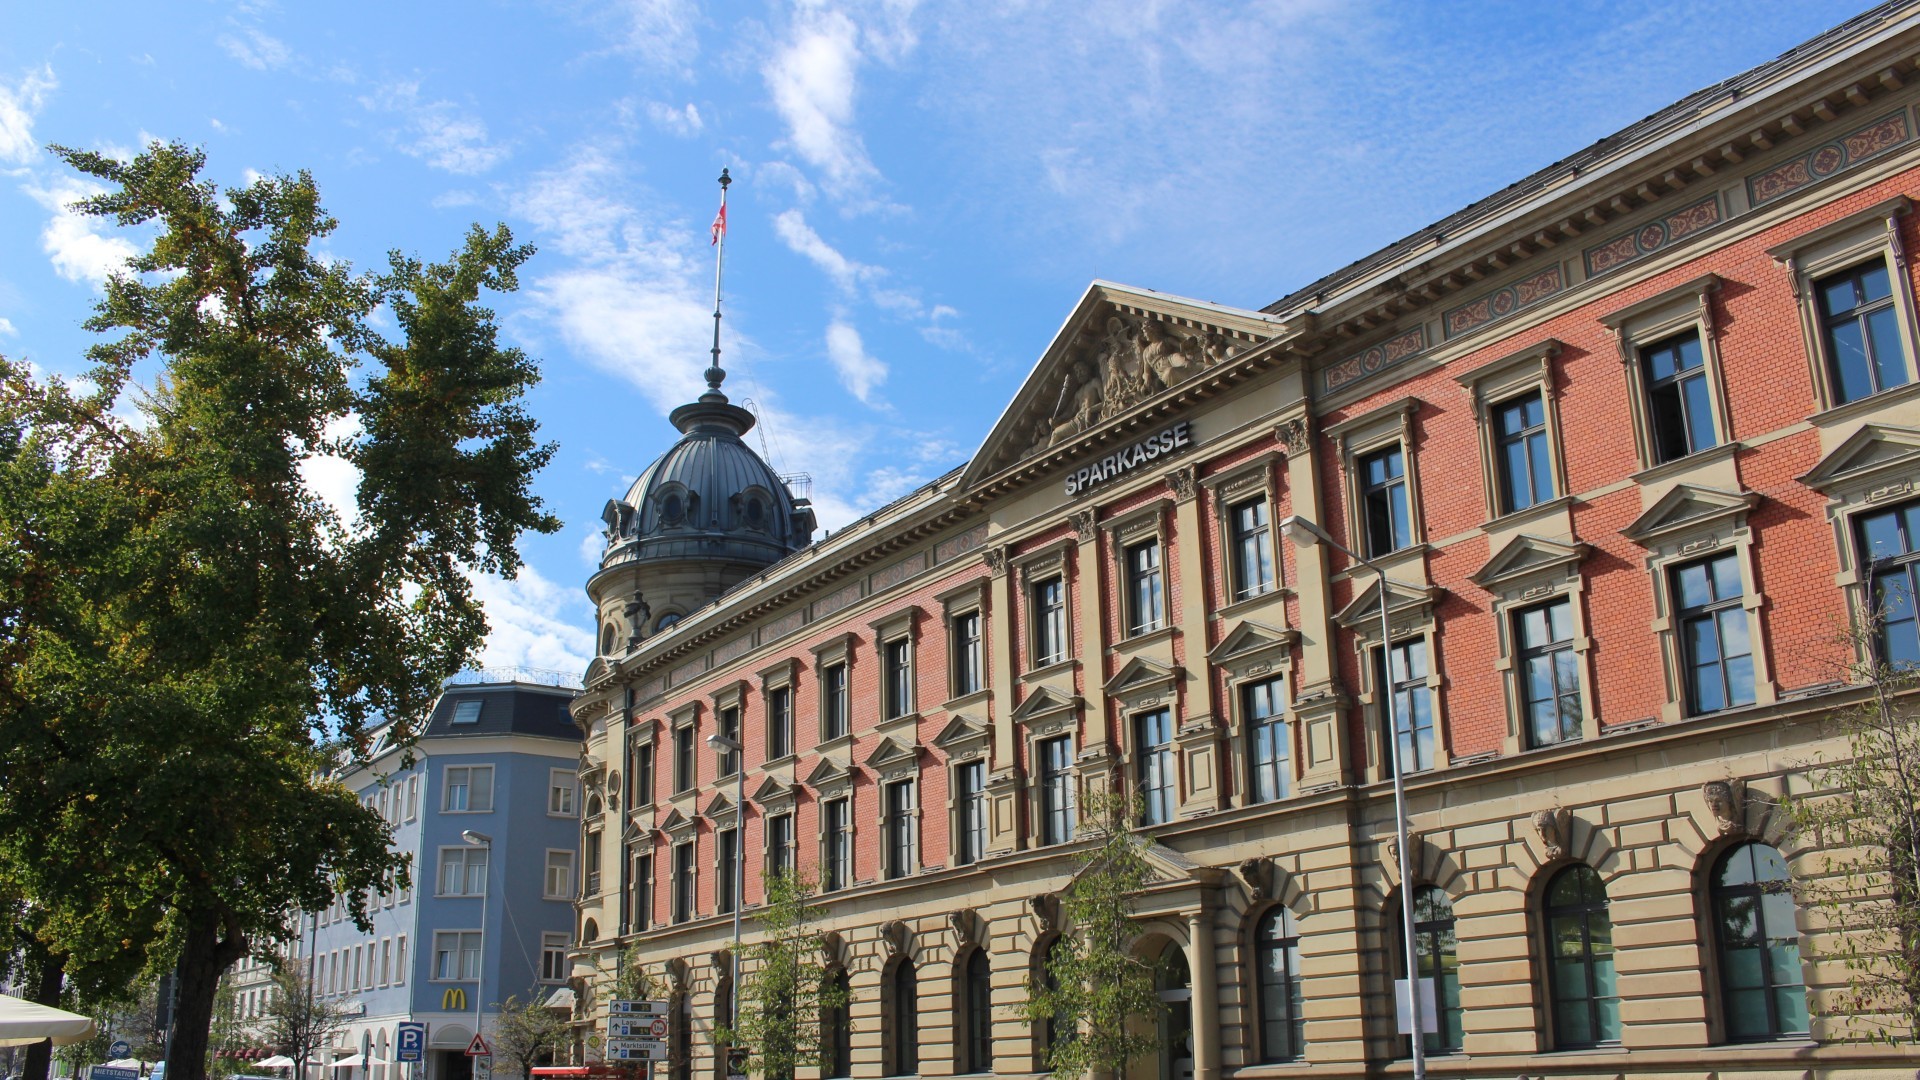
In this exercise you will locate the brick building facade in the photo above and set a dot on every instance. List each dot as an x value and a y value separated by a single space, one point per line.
1626 432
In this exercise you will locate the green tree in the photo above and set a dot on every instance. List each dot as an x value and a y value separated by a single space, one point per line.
191 638
296 1020
528 1033
1864 811
784 991
1095 996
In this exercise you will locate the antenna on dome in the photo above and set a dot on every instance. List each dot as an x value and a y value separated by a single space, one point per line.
717 374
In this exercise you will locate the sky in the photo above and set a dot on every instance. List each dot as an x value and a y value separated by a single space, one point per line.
922 190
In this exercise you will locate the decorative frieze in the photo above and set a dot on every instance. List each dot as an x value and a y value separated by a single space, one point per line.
1864 144
955 546
1364 363
1502 302
1651 237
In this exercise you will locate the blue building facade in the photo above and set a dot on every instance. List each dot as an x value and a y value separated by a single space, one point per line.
489 812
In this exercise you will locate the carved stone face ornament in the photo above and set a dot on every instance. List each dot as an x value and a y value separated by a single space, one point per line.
1726 801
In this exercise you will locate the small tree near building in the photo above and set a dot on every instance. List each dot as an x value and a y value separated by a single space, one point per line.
785 991
528 1033
297 1021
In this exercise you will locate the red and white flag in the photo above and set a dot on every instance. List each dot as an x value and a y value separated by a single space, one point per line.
720 223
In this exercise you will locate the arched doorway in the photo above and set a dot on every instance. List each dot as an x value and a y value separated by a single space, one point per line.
1175 983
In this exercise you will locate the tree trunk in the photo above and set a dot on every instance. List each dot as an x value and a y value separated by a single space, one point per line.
46 991
204 955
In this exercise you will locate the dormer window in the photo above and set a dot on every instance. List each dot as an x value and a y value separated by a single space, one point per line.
466 712
756 514
671 509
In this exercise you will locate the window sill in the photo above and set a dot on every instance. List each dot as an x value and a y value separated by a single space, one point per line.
838 742
976 697
1389 562
774 763
1277 595
1526 514
1712 455
1869 404
1056 667
1145 637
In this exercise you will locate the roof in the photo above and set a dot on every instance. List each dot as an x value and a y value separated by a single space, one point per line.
512 709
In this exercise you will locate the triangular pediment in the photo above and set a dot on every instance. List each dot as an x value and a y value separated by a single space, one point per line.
1364 608
1687 507
634 833
890 754
1165 865
772 789
960 731
1524 556
1873 455
676 822
718 806
826 773
1140 673
1042 701
1248 639
1121 348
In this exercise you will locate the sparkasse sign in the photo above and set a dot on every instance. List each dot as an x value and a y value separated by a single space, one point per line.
1120 462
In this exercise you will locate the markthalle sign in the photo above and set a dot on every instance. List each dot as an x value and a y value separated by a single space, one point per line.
1121 462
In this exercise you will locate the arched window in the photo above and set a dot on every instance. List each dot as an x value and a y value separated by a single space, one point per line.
606 641
1049 1034
903 1010
1439 960
1175 984
976 1014
1276 955
1586 1006
1758 937
836 1037
680 1044
722 1018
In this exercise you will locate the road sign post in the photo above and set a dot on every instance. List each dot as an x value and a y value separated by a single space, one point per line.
410 1042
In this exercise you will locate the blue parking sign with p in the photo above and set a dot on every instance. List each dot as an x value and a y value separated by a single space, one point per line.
410 1042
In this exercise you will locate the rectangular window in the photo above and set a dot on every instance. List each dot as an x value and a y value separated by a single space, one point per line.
642 777
1153 765
1520 441
726 862
683 882
963 636
591 864
1049 622
1549 673
898 681
1056 789
1713 634
1890 548
727 762
779 722
1252 549
463 871
683 758
1411 701
560 792
1679 400
641 915
902 859
553 958
456 955
833 701
353 971
779 844
386 962
467 712
400 961
413 796
559 882
1383 500
1146 598
469 789
1860 332
970 797
836 871
1269 746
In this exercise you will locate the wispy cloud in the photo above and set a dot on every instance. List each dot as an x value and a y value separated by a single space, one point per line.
7 328
19 104
255 49
79 246
681 120
440 133
860 372
813 76
533 622
801 239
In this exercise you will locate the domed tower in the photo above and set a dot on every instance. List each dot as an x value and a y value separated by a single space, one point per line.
706 515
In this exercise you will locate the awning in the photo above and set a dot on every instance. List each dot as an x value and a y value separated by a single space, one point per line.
561 998
128 1063
357 1060
23 1023
277 1061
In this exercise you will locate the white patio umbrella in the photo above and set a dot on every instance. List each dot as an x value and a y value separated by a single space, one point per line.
23 1023
277 1061
357 1060
127 1063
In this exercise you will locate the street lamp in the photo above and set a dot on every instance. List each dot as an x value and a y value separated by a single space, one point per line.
481 840
1305 533
720 742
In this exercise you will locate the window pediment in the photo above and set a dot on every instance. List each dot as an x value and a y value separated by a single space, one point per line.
678 826
1528 557
963 737
1250 641
1688 509
773 794
829 777
1045 701
894 760
1139 675
1876 456
1363 611
719 810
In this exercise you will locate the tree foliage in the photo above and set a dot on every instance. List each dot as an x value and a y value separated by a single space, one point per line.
1094 994
296 1020
191 636
528 1033
784 989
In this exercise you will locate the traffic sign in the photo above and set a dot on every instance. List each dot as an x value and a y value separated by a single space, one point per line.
410 1042
635 1007
650 1050
637 1027
120 1048
478 1047
113 1072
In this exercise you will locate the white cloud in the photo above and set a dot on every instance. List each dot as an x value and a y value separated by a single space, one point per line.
859 371
684 120
259 51
439 133
532 622
7 329
79 246
792 228
335 480
660 32
813 77
18 106
449 200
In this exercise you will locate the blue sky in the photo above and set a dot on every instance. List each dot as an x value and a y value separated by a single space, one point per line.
923 190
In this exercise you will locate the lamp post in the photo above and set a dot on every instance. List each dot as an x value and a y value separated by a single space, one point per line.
1305 533
485 842
720 742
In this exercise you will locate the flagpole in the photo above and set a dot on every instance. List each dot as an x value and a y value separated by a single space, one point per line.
715 373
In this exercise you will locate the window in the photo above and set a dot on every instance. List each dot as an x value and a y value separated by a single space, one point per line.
1049 622
727 762
963 636
1713 634
641 775
1549 673
1890 546
1383 499
902 859
591 886
1859 331
726 879
1252 549
976 1014
469 789
1758 936
463 871
400 961
1586 1005
553 958
560 792
683 881
456 955
970 808
640 914
467 712
1056 789
836 870
1146 599
1269 745
903 1000
1276 945
833 701
836 1028
1520 437
413 796
1679 398
1411 701
1440 961
559 883
682 758
897 682
779 722
1153 765
779 845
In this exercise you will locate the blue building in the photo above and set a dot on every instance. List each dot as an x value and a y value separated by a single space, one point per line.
489 811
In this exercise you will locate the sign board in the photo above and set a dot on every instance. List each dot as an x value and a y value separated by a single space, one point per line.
637 1027
1165 443
478 1047
483 1068
635 1007
1403 1008
410 1042
120 1048
650 1050
109 1072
